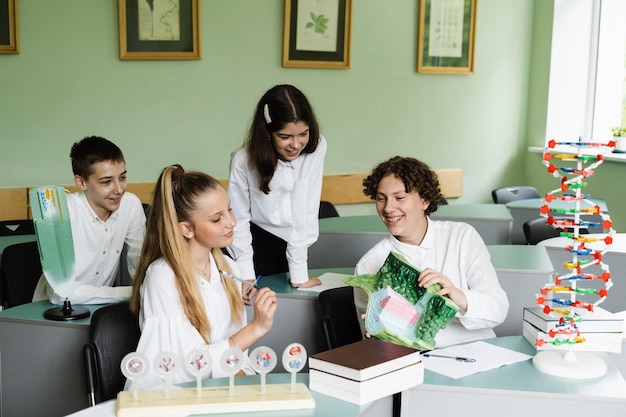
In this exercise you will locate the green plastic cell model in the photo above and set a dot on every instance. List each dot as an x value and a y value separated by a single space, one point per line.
398 310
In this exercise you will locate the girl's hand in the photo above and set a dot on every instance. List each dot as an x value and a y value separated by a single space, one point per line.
264 309
248 294
312 282
429 277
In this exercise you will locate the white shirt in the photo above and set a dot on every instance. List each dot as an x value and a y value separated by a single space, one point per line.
165 326
97 248
457 251
290 210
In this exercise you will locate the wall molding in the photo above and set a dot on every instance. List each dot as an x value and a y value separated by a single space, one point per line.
337 188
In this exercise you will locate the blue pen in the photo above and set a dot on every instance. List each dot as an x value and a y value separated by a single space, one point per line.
456 358
256 284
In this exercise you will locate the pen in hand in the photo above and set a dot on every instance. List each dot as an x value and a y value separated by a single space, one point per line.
256 284
456 358
243 281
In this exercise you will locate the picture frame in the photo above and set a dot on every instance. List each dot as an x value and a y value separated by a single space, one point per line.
317 34
8 27
159 30
446 34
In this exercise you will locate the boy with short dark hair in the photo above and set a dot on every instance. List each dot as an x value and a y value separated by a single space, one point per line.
103 217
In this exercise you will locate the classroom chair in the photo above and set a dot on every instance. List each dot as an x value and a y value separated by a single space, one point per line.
340 325
327 209
20 270
146 209
16 227
114 332
536 230
510 193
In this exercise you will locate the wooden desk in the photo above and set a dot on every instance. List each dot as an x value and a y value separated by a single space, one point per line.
325 406
41 369
615 258
528 209
518 390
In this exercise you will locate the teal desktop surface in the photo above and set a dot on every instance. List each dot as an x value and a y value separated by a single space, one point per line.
492 221
279 283
461 212
523 376
33 312
518 386
364 224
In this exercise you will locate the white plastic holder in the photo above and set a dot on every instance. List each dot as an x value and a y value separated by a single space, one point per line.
166 365
199 363
570 364
231 363
263 360
294 359
133 366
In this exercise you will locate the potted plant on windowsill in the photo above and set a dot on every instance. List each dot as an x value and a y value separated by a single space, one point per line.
619 135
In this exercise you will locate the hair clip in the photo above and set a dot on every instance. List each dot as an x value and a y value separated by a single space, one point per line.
266 113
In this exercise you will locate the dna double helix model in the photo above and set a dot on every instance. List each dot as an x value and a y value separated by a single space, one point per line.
568 208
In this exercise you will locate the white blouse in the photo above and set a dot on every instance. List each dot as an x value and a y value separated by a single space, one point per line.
165 327
290 210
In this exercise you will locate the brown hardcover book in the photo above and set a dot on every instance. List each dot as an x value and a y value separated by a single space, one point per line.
365 359
361 392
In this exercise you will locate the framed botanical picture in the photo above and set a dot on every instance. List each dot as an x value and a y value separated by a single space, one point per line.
159 29
8 27
317 33
446 36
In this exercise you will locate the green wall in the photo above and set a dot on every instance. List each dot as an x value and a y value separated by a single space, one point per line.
68 82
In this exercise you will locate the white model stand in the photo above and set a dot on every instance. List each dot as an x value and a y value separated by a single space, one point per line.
213 400
569 364
171 402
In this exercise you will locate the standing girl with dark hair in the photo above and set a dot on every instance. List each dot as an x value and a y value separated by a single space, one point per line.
275 186
182 301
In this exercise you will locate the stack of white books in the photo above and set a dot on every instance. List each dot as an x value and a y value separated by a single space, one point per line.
603 331
365 371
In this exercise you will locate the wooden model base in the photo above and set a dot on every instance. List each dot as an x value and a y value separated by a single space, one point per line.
185 401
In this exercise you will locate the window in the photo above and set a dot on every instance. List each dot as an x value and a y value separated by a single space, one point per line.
586 94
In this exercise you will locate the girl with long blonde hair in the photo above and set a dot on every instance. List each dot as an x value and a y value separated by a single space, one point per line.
181 299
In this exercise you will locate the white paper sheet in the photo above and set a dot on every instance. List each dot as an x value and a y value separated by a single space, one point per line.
329 280
487 357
